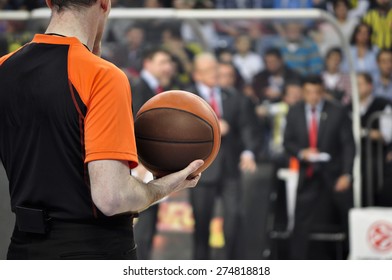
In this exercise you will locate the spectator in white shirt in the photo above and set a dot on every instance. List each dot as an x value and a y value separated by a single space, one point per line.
247 62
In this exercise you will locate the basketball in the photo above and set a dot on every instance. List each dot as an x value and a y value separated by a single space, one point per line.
173 129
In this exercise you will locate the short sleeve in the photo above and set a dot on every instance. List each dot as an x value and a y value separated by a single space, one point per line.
109 125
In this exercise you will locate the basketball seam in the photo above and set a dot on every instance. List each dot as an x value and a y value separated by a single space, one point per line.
174 141
176 109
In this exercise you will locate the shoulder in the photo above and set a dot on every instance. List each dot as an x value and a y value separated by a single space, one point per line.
231 93
381 102
91 64
92 75
4 58
335 108
139 84
7 56
192 89
297 108
369 15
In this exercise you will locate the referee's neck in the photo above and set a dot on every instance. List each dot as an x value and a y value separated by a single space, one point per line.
71 23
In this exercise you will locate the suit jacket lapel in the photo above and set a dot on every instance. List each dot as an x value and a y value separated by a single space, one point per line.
304 127
322 123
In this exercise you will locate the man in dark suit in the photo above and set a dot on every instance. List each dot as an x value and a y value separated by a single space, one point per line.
239 142
319 134
154 78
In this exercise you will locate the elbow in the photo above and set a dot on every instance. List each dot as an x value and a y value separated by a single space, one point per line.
107 203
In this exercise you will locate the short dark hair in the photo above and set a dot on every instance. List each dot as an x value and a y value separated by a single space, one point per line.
290 83
382 51
368 78
332 51
150 52
174 32
225 63
273 51
313 79
345 2
63 4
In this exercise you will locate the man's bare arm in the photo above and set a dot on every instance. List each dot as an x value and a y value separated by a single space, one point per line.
114 191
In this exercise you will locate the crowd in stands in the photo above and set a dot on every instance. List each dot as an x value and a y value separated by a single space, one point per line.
270 59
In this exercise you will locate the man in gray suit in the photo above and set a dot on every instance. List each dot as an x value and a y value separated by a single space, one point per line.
239 142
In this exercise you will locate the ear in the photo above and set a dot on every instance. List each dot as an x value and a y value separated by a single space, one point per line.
105 4
49 4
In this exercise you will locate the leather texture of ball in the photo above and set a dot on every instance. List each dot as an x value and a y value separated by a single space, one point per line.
175 128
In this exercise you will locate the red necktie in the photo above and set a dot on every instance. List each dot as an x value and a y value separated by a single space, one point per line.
158 90
312 138
214 104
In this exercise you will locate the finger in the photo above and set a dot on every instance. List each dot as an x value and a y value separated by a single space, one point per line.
193 182
192 168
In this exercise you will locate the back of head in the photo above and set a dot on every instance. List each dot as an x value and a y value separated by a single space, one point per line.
60 5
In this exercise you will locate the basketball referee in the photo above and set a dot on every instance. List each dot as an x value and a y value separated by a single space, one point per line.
67 143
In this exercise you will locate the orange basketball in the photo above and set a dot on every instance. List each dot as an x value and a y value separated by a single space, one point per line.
175 128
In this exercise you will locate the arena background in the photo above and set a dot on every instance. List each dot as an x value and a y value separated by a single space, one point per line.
175 224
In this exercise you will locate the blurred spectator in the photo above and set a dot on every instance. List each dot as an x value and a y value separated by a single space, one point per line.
16 34
324 196
337 84
3 4
207 27
383 79
380 19
385 196
300 52
247 62
24 4
182 53
269 83
327 37
362 51
226 56
193 4
226 75
357 7
379 131
207 31
153 4
3 46
276 113
154 78
129 55
243 4
228 30
236 153
294 4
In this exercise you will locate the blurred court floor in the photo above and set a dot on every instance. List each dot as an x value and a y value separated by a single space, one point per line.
175 228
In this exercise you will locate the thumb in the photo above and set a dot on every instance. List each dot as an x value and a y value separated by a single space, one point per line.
192 167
